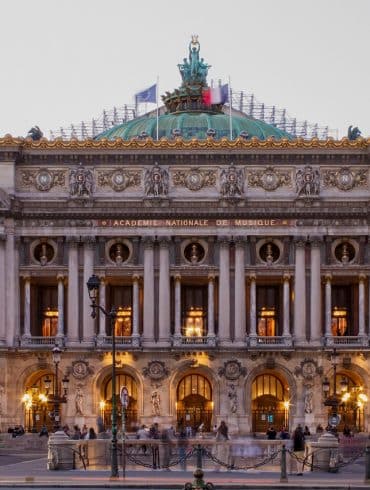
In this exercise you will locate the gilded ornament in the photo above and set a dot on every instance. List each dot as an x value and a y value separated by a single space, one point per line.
345 178
156 181
81 182
232 182
119 179
42 179
194 179
269 178
308 182
156 370
232 370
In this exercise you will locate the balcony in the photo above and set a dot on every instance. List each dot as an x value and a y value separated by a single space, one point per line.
132 341
194 341
347 341
39 341
266 342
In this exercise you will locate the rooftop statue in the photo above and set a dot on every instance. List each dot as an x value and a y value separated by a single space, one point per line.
35 133
194 71
353 133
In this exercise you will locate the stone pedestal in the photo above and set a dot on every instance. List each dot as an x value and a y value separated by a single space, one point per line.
324 449
60 452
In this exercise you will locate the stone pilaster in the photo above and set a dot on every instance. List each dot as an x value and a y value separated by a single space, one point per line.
211 307
239 291
361 305
73 334
164 291
315 296
2 289
102 302
27 306
60 279
252 307
88 270
286 305
224 291
148 327
12 277
300 292
328 308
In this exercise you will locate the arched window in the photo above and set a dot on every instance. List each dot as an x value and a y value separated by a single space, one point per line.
270 403
122 379
194 404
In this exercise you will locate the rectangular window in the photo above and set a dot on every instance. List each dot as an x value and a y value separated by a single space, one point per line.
268 308
194 311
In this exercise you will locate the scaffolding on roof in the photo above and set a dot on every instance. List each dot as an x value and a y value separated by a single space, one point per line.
241 101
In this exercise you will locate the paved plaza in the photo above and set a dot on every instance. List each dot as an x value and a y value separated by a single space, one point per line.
27 469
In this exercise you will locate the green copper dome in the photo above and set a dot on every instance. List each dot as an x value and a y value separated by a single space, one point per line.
193 125
191 114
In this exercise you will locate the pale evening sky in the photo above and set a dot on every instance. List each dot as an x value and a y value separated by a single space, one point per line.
66 61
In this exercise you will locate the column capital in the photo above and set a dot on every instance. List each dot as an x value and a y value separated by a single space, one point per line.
177 277
286 277
60 277
252 277
136 277
362 277
73 241
316 241
164 241
211 277
89 241
300 242
26 277
328 277
224 241
148 242
240 241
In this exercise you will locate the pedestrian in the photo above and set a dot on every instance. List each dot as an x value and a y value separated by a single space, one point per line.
143 433
284 433
76 433
271 433
44 431
182 444
298 450
91 434
306 431
165 449
222 448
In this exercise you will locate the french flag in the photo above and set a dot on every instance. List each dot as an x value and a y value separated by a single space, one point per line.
216 95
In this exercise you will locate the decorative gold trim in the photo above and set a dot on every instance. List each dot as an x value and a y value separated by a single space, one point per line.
179 143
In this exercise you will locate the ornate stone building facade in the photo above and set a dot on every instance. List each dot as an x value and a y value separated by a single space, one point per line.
236 267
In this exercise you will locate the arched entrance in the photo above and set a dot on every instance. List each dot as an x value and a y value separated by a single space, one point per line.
194 404
38 409
270 403
106 402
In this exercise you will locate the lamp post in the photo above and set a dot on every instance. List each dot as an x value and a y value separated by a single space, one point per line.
56 397
93 289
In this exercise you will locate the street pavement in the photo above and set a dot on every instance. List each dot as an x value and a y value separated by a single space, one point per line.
27 469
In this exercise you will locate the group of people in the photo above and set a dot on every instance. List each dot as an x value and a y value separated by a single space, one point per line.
283 433
79 433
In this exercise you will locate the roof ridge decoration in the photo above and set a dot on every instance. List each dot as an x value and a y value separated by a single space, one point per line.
189 96
179 143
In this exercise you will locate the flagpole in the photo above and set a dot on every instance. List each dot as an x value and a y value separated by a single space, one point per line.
230 107
157 92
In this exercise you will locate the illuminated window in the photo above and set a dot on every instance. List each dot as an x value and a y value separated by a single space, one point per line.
50 322
339 321
266 322
123 325
194 324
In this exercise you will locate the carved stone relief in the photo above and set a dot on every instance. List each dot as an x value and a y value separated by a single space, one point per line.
156 181
119 179
81 182
307 182
308 369
42 179
194 179
156 370
232 370
345 178
232 182
269 178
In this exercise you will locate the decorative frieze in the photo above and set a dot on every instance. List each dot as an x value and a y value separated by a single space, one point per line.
269 178
194 179
307 181
345 178
42 179
232 182
119 179
156 181
81 182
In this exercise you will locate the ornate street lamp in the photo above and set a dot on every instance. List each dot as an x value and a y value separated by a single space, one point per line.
56 397
93 289
332 400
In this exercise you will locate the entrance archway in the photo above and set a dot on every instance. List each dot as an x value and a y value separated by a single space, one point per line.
106 402
38 410
194 405
270 403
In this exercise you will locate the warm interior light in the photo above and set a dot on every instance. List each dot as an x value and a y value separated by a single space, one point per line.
339 321
346 397
363 397
43 398
194 322
123 324
266 322
286 404
50 322
102 405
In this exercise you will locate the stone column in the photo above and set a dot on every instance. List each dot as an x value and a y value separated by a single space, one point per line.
10 292
240 307
328 307
135 308
73 293
2 289
211 306
361 305
148 327
102 302
286 305
300 292
60 279
315 297
164 291
253 306
88 321
224 292
27 307
177 305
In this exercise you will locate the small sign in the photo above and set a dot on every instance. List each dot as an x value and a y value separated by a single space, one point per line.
124 397
334 420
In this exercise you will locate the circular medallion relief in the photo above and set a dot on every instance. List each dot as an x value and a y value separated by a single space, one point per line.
269 252
119 181
270 180
344 179
345 252
119 253
194 181
44 180
43 253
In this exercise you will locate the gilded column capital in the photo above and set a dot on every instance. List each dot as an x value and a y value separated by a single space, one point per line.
286 277
60 277
148 242
136 277
361 277
328 277
211 277
252 277
177 277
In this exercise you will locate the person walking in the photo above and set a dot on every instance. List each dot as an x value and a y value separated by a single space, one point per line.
222 448
298 450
